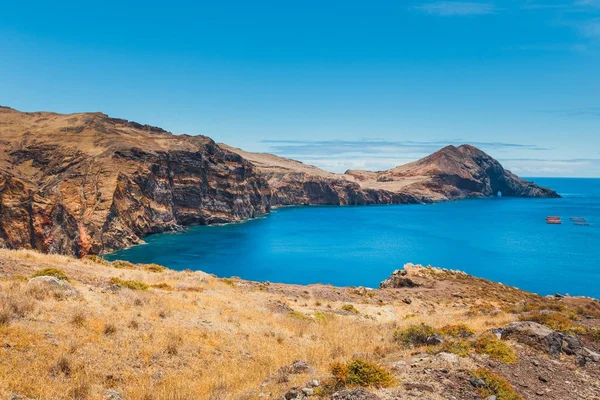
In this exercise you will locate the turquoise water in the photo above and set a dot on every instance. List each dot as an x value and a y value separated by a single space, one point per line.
503 239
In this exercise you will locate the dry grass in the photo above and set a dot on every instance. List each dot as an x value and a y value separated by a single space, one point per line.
220 340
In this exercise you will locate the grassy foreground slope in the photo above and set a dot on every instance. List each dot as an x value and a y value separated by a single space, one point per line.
124 331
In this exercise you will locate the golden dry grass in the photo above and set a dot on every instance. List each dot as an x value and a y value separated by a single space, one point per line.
191 335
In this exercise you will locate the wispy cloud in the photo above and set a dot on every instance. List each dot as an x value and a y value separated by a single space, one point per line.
377 147
582 167
456 8
591 29
593 112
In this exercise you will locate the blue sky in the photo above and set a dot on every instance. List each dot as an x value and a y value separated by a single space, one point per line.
341 85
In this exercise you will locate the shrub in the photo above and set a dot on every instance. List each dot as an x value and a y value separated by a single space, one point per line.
228 282
459 347
62 366
97 259
153 267
495 385
133 285
162 286
360 373
78 318
495 348
350 308
123 264
414 335
457 331
57 273
596 335
554 320
110 329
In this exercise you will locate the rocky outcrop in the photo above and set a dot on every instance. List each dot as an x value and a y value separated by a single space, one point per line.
449 174
87 184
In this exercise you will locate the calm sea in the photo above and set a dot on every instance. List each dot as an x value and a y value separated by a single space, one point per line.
502 239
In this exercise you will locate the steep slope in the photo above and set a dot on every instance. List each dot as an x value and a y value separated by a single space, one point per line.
451 173
86 183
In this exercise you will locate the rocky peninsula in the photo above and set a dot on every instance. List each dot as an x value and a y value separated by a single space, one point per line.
81 184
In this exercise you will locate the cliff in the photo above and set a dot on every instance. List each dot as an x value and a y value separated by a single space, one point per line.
451 173
87 184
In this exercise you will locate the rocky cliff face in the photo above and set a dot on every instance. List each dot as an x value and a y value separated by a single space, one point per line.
86 183
449 174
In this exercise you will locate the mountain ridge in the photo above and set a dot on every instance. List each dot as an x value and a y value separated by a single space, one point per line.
86 183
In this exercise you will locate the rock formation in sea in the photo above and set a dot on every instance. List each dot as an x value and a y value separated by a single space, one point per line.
87 184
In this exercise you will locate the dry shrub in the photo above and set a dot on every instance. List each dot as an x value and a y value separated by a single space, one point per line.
360 373
495 385
78 318
14 303
133 285
495 348
153 267
457 331
350 308
57 273
110 329
61 367
414 335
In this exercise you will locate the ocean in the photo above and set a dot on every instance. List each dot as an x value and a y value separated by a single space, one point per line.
503 239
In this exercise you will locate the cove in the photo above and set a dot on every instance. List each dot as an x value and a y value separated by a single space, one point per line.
502 239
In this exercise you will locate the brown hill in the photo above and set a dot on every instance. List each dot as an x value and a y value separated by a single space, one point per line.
87 183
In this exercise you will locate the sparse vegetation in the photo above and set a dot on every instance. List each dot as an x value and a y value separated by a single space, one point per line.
360 373
162 286
495 385
133 285
57 273
554 320
350 308
153 268
495 348
123 264
414 335
457 331
459 347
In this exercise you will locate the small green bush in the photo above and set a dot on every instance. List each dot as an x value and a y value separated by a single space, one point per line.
414 335
57 273
360 373
96 259
457 331
133 285
153 268
459 347
350 308
123 264
495 348
495 385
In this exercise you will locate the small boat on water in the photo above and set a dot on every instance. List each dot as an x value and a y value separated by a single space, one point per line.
580 221
553 220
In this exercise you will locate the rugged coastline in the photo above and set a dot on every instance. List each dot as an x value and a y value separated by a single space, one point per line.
86 183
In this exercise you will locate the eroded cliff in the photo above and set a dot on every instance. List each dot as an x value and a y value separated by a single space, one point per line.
86 184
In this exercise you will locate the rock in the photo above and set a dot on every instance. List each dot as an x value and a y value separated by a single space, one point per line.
492 397
398 280
53 285
534 335
477 382
297 367
293 394
355 394
407 300
496 332
435 339
308 391
112 394
447 357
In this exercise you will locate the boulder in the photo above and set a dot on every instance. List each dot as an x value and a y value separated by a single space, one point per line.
397 280
434 339
53 285
355 394
297 367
